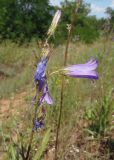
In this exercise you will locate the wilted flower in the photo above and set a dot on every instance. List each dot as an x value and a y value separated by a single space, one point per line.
40 80
39 76
37 124
86 70
54 22
46 97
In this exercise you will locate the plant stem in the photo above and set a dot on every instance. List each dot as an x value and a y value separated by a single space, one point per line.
70 28
31 138
62 96
32 132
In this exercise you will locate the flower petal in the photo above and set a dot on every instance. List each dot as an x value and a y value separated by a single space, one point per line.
90 65
46 97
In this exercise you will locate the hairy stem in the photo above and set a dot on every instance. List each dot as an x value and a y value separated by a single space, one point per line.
70 28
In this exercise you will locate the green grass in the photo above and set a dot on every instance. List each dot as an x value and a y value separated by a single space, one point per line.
79 95
16 67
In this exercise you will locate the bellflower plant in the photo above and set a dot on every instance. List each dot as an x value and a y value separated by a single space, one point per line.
87 70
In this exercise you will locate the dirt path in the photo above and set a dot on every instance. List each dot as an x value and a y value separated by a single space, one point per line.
12 106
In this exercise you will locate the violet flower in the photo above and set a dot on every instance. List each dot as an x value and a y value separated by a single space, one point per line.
86 70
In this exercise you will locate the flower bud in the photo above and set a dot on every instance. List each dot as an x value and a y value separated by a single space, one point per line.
54 23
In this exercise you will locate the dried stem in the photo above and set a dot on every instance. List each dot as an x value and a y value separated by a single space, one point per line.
70 29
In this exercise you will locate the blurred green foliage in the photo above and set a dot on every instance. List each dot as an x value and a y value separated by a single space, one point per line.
24 20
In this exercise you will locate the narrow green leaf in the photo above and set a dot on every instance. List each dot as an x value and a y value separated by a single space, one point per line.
12 152
43 146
